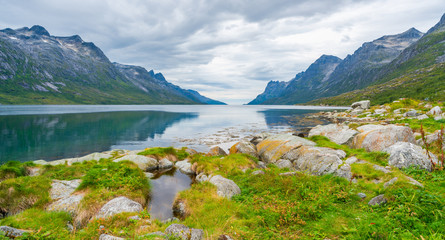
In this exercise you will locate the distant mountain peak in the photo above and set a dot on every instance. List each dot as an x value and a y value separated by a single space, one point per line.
411 33
39 30
159 76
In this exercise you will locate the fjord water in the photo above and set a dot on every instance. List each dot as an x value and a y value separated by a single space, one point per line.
52 132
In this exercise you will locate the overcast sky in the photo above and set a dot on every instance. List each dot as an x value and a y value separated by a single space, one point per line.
229 49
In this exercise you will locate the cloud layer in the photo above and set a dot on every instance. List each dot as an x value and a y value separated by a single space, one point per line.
228 50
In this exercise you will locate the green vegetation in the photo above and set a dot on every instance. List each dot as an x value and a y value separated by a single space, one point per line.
427 83
13 169
223 165
160 152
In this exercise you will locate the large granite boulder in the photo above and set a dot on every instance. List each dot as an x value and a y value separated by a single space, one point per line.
274 147
318 160
11 232
165 164
63 189
284 163
225 187
404 154
338 133
143 162
379 137
183 232
185 166
118 205
365 104
244 146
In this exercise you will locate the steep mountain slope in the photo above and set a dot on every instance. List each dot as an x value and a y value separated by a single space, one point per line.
301 87
37 68
418 72
354 72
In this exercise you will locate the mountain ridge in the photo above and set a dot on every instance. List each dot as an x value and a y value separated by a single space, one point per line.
38 68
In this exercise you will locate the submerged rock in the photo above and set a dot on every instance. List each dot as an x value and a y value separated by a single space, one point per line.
274 147
118 205
143 162
338 133
403 155
379 137
225 187
183 232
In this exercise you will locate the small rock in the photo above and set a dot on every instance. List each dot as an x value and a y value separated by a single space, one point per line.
109 237
172 219
149 175
435 111
351 160
11 232
202 178
70 227
289 173
382 169
437 118
414 182
184 232
118 205
165 164
411 113
225 187
390 182
261 164
380 111
258 172
217 151
361 195
179 209
422 117
135 218
380 199
185 166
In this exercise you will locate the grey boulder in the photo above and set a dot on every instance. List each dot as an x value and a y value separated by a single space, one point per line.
404 154
185 166
109 237
143 162
183 232
11 232
379 200
118 205
338 133
365 104
63 189
379 137
225 187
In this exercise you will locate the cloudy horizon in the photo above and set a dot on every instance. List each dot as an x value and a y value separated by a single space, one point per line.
227 50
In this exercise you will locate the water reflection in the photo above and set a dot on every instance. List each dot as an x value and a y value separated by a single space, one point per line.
56 136
164 188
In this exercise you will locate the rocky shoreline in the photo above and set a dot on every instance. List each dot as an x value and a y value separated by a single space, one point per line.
354 141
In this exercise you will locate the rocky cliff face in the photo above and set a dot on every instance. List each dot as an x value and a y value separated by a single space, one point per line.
302 85
329 75
36 67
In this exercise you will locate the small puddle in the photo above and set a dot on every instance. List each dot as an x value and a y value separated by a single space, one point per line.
164 187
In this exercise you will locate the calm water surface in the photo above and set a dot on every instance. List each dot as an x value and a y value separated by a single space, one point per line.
52 132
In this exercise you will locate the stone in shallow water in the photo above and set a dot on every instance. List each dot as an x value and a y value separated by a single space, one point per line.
185 166
165 164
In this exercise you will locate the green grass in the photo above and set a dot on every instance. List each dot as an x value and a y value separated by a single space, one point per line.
13 169
379 158
181 154
429 124
18 194
45 225
223 164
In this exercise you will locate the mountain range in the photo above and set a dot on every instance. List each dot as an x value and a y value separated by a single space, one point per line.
38 68
372 72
